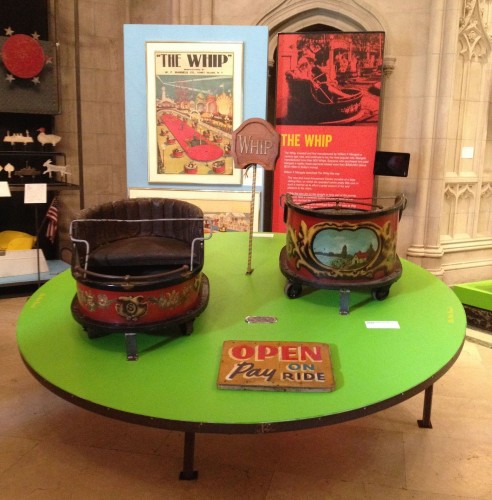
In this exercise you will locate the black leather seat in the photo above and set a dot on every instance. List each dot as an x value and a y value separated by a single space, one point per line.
138 236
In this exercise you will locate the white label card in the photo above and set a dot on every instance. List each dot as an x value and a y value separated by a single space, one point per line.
35 193
4 189
383 324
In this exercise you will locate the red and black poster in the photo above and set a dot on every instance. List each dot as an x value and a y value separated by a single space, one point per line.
327 112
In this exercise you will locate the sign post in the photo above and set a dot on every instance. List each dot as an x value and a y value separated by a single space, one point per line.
254 142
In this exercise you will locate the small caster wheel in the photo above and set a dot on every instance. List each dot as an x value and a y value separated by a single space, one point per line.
93 334
186 328
380 293
293 290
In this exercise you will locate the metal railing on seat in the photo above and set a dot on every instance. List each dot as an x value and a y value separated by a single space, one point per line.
184 268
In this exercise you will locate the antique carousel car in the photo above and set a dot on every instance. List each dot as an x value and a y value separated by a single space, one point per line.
218 167
177 153
344 244
138 267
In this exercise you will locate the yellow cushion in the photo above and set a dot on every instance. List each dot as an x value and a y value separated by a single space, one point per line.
16 240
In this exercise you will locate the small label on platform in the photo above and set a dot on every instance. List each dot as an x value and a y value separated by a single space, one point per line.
383 324
260 319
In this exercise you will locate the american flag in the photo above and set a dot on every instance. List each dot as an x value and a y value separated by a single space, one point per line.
52 217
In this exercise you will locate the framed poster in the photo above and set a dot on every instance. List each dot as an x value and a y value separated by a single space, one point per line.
194 102
327 113
228 210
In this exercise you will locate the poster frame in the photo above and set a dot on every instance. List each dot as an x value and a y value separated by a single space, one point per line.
193 68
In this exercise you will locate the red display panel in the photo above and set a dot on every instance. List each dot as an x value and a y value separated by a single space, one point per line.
327 112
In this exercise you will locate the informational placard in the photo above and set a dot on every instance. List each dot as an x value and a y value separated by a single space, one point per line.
327 112
35 193
276 366
4 190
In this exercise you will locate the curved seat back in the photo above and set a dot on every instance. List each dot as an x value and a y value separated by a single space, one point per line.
114 230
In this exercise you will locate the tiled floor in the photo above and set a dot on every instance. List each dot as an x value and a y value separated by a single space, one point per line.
51 449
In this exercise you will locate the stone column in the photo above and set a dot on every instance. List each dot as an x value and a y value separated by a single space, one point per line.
426 248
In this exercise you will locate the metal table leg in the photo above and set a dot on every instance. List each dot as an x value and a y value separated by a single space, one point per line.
344 301
131 346
188 474
425 423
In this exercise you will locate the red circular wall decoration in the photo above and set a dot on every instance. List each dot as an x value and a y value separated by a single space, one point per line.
23 56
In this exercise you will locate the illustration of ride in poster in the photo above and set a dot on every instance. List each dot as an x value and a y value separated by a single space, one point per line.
194 102
327 112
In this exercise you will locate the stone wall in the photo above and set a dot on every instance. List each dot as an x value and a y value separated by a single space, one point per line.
436 102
